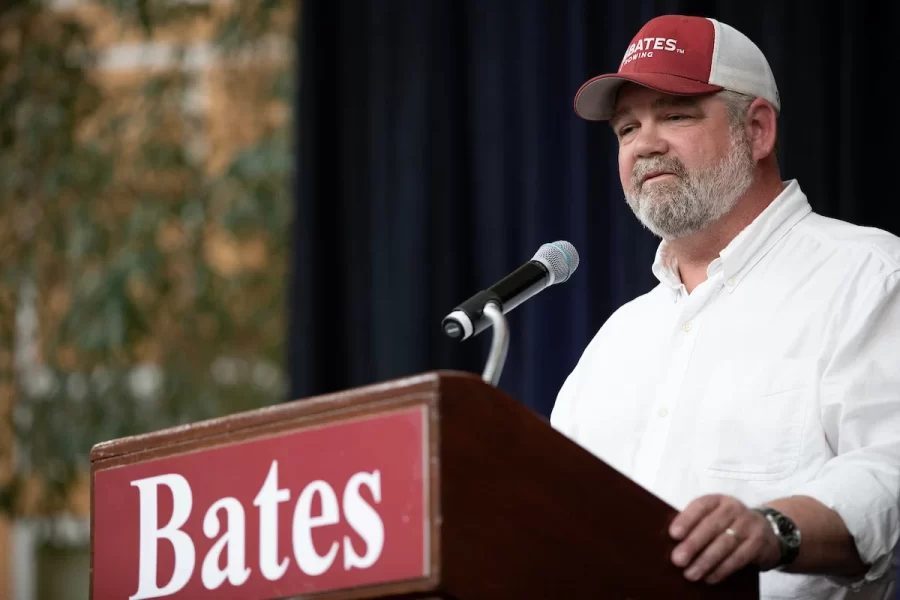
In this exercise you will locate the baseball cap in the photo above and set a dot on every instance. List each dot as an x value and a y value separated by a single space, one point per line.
683 55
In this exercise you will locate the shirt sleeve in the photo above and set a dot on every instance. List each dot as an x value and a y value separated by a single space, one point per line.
562 416
860 412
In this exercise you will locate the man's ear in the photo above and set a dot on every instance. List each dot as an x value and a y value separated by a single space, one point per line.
762 126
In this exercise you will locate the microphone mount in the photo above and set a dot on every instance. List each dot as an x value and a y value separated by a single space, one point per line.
499 343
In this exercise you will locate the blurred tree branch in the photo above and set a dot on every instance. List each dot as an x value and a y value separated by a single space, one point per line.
158 270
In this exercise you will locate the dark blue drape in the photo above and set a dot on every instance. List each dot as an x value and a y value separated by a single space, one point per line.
437 149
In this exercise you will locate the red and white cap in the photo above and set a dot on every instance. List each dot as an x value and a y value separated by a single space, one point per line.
682 55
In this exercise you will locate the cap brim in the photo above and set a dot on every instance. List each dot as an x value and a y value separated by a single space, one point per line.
596 99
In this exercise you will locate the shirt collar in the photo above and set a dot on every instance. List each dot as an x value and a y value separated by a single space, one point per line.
749 246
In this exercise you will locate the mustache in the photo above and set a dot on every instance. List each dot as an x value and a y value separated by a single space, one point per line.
669 164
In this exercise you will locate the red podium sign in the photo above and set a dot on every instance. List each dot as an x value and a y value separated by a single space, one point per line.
325 508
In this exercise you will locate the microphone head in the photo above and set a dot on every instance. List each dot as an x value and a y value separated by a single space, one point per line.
560 258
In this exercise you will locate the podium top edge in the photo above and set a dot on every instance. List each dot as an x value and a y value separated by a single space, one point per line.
419 383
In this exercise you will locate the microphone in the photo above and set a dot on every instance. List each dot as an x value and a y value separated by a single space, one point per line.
552 263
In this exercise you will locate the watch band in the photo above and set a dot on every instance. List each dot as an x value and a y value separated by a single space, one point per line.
787 533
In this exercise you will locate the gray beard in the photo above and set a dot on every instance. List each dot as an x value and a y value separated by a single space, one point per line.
680 207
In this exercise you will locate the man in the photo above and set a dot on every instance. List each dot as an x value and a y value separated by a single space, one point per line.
757 387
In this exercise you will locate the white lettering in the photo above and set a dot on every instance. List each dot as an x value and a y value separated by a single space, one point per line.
309 561
267 500
644 47
636 56
150 534
235 570
228 531
364 520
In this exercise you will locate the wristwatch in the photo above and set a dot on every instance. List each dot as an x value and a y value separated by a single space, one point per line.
787 533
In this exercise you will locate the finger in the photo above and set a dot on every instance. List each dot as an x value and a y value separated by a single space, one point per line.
740 558
692 514
714 553
702 535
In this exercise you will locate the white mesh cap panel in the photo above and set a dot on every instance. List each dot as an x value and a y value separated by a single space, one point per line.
740 66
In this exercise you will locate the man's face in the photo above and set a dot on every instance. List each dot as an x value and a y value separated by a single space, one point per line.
681 166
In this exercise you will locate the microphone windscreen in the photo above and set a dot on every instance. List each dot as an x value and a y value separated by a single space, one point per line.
560 258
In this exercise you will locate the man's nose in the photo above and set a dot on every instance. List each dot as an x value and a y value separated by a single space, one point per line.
649 142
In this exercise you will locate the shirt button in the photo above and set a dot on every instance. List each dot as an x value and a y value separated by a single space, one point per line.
686 326
663 412
730 282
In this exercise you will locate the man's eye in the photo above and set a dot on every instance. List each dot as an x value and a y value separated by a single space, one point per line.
676 117
626 130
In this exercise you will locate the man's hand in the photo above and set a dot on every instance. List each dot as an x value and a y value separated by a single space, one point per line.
719 535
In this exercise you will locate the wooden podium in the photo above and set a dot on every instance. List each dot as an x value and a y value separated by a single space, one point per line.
474 496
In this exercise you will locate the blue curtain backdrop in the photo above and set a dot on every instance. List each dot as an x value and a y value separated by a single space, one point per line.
437 149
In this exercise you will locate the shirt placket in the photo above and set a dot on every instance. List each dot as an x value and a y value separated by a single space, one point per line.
653 443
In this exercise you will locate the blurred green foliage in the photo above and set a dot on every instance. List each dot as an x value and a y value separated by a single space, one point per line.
139 287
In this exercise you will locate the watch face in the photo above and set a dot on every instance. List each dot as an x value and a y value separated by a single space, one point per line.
788 530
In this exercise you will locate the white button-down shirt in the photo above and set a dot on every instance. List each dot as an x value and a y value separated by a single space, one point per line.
777 376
